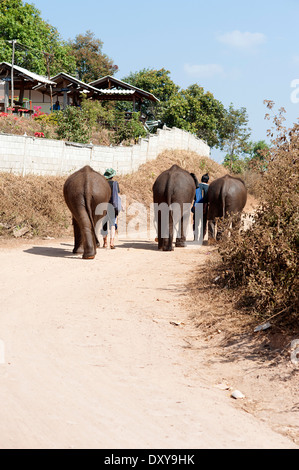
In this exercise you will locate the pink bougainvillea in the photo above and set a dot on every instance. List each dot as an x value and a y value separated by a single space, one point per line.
37 111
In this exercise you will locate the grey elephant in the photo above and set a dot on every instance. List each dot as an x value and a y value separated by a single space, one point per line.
226 195
83 191
173 195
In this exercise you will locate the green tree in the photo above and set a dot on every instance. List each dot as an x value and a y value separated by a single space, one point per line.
196 111
259 152
127 131
234 163
22 22
73 125
91 63
235 139
159 84
193 109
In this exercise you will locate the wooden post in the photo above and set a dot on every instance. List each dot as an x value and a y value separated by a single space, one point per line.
21 96
6 95
47 55
12 73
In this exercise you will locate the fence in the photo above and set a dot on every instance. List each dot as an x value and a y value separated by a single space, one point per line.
31 155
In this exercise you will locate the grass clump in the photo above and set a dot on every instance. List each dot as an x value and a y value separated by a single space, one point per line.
32 202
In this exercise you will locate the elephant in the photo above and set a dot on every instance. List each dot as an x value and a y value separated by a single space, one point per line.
83 191
173 195
226 195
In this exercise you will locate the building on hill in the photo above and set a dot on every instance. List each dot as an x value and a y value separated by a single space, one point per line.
31 90
116 90
67 90
22 83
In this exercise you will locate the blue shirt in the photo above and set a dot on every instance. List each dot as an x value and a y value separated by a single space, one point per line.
201 193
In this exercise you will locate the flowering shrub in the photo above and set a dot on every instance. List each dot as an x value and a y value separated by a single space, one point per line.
37 111
3 114
39 134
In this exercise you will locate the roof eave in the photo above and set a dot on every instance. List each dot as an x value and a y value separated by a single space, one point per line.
127 85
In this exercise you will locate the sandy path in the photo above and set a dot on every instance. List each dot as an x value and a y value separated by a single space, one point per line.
92 360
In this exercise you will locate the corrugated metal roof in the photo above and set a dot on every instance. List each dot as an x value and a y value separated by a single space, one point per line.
30 75
114 81
72 80
107 91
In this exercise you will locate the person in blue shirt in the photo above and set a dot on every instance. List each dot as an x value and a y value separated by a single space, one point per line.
115 202
201 197
56 106
203 189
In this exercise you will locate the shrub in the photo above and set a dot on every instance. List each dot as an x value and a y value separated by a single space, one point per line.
73 125
262 261
127 131
98 114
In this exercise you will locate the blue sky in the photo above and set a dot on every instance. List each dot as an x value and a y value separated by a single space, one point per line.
242 52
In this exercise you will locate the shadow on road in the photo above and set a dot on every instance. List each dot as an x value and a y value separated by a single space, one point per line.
52 252
62 252
138 245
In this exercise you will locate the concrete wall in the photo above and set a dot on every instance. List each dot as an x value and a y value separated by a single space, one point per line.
24 155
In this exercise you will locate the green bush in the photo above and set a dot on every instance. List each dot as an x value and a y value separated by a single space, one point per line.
127 131
47 118
98 114
73 125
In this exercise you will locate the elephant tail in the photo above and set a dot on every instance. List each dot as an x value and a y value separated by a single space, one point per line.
169 191
89 212
223 200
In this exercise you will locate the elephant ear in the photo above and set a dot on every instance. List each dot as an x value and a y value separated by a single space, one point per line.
195 180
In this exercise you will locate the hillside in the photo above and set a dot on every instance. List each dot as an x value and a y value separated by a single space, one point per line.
138 186
34 205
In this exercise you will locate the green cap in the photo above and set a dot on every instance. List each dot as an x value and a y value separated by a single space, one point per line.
109 173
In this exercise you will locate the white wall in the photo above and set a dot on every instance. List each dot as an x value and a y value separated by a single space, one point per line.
24 155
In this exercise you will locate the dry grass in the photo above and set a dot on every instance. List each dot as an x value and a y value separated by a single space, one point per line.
32 202
261 263
12 124
138 186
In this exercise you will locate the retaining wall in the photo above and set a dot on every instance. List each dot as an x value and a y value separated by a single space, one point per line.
24 155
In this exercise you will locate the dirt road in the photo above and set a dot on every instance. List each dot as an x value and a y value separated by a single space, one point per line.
90 358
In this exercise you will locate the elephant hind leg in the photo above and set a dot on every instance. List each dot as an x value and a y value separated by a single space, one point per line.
78 246
159 233
89 243
212 230
167 244
88 238
182 228
236 221
168 241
